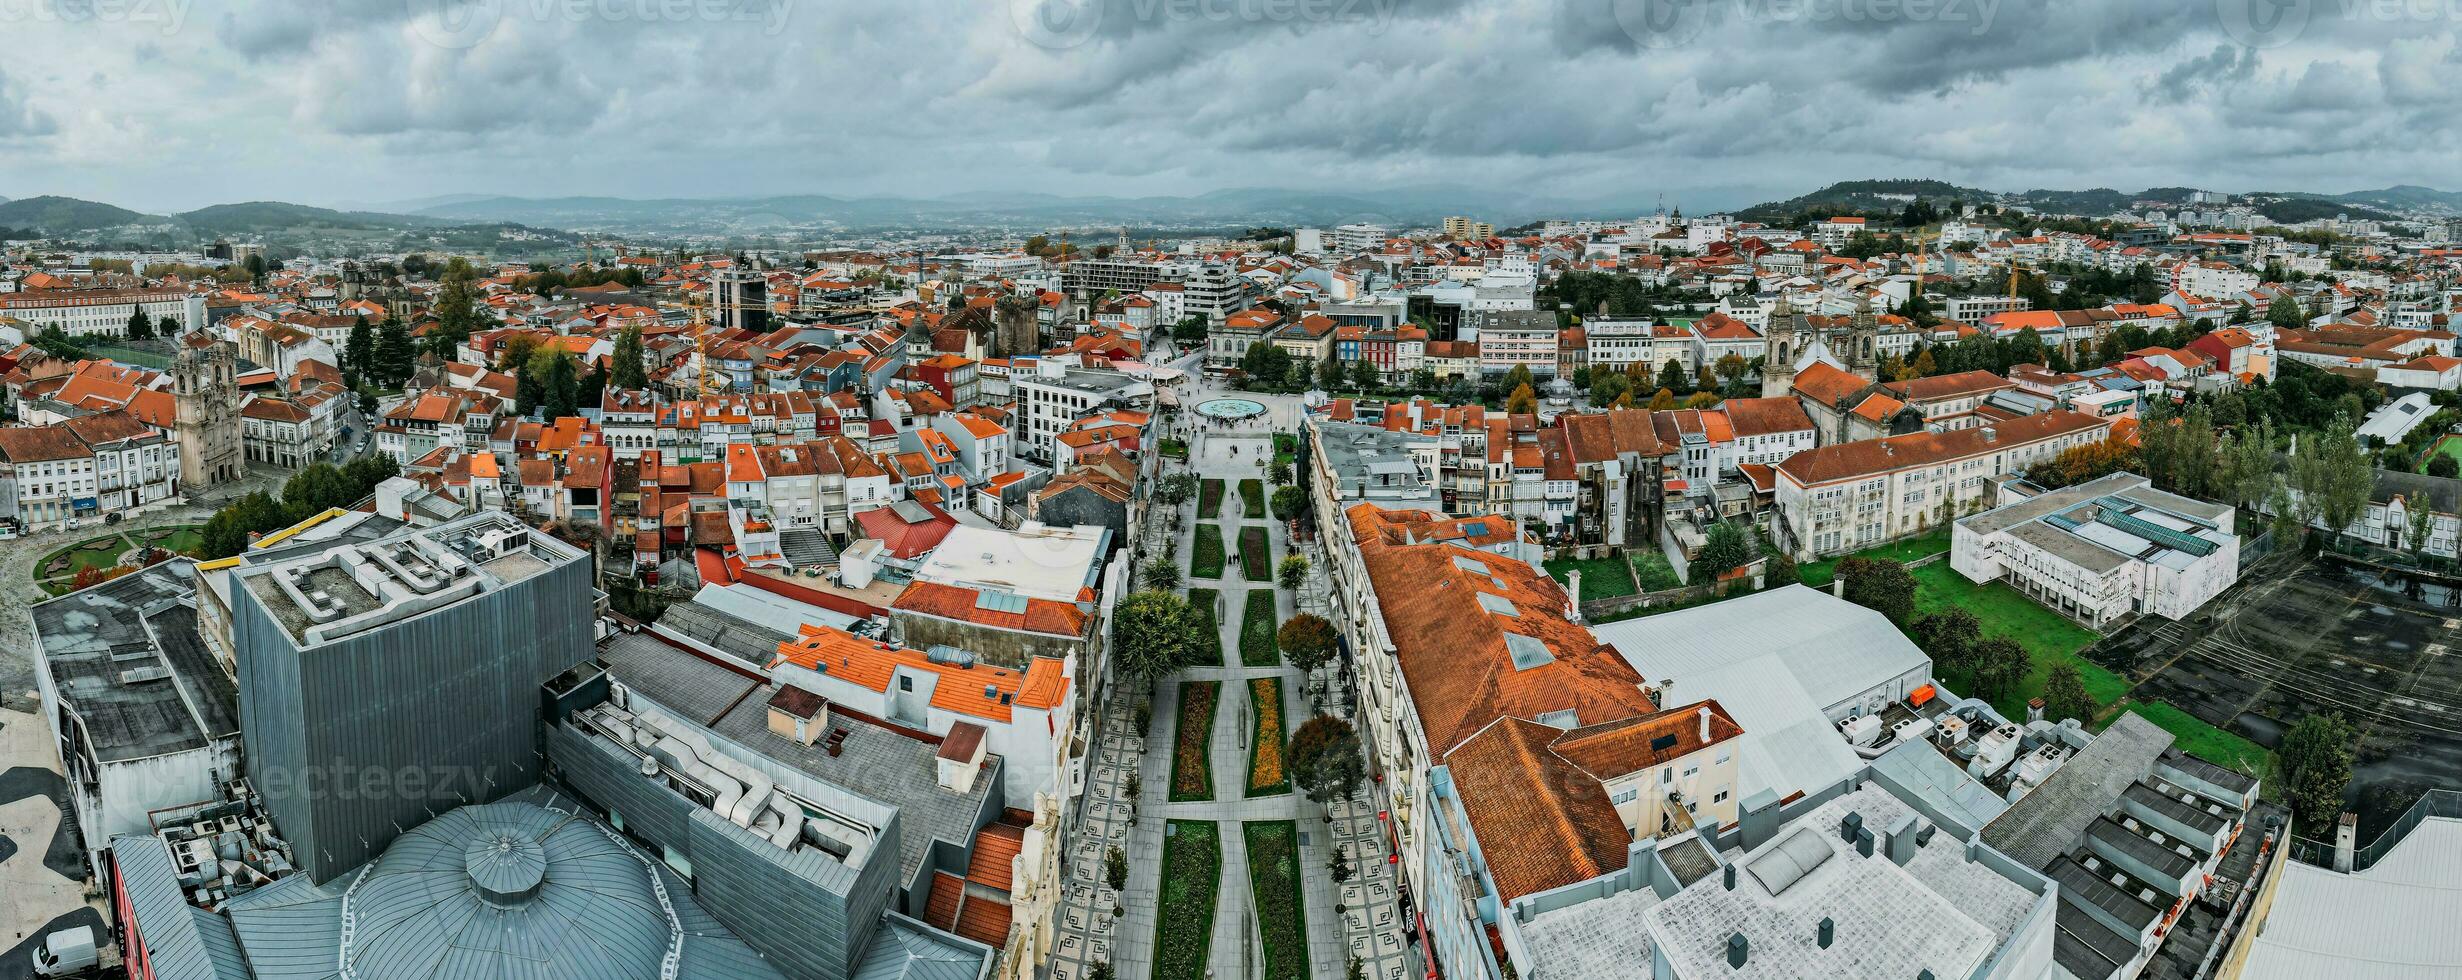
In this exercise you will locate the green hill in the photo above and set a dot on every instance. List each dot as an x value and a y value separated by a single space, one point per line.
59 215
259 217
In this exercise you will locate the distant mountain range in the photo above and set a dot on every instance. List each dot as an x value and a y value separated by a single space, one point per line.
484 222
1241 208
2288 207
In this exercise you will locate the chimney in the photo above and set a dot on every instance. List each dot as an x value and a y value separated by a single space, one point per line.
1837 586
1737 949
2346 838
1863 841
1990 434
1705 724
2034 709
1848 825
1572 595
1728 878
1829 932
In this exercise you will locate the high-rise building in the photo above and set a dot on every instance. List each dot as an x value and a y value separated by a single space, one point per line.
1460 228
740 298
385 681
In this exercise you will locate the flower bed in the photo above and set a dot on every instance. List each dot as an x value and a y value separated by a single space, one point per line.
1192 874
1282 915
1258 647
1256 556
1201 602
1205 554
1252 499
1266 776
1209 498
1192 762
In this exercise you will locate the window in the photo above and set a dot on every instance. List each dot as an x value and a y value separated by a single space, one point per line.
1719 797
1667 776
906 683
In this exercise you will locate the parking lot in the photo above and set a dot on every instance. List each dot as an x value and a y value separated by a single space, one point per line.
2300 637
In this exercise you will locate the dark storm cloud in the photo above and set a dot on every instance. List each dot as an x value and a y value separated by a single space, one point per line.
1580 98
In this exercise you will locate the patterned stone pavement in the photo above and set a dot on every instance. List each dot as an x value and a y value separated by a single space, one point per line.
1368 928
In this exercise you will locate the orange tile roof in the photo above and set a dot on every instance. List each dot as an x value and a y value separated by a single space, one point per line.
1542 821
856 660
1856 460
959 603
1455 654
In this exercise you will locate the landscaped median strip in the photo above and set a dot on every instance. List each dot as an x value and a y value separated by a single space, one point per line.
1192 873
1205 553
1258 648
1266 775
1282 915
1192 765
1201 603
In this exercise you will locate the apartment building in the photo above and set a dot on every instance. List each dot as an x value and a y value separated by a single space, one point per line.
104 312
1514 338
1851 496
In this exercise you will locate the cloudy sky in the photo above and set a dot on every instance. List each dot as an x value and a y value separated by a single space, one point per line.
167 105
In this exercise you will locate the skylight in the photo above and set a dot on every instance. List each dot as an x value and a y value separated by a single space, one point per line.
1527 652
1498 604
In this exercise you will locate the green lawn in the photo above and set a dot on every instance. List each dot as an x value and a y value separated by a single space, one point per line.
1209 626
2446 446
1266 773
1257 625
1205 556
1256 555
1601 578
97 552
1652 573
1174 449
1192 757
2049 638
1817 574
1252 499
182 539
1282 915
2194 736
1192 873
1209 498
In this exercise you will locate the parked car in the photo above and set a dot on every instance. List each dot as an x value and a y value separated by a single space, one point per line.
66 952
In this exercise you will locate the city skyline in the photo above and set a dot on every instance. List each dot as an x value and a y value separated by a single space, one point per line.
1726 104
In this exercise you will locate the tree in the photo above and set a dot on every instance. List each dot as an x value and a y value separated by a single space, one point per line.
1523 401
1174 490
1924 367
2422 523
1292 571
2444 466
2285 313
562 388
1607 386
455 309
1364 375
2064 695
2332 476
1949 637
1289 501
1671 376
1880 585
1153 633
394 352
359 352
1725 550
2079 464
1664 401
1518 377
631 373
2313 767
517 350
2000 666
1161 572
1115 867
140 326
1307 641
1324 760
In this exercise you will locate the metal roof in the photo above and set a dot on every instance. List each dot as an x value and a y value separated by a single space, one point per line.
182 942
2044 824
1835 648
2394 920
510 889
124 655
